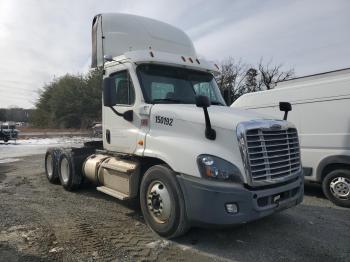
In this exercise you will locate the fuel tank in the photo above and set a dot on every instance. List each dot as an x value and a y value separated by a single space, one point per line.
118 174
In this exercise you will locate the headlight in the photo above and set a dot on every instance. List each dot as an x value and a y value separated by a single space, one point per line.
213 167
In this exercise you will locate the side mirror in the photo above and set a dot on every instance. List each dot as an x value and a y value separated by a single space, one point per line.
109 92
202 101
285 107
110 98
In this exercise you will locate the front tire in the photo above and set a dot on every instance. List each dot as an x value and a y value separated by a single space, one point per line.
162 202
336 187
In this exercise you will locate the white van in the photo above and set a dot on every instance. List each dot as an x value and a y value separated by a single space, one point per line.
321 113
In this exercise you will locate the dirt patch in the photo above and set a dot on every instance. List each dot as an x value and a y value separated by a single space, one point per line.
2 177
4 169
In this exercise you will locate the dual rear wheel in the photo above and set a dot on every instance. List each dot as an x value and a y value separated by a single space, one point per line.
61 167
51 169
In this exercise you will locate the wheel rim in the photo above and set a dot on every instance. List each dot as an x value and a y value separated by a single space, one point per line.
65 170
340 187
158 202
49 167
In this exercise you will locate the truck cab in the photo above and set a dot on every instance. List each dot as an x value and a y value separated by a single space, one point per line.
170 140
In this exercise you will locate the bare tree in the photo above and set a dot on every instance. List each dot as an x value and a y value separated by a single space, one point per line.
271 74
237 78
251 81
230 80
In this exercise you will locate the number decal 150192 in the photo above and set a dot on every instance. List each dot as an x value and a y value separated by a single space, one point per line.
164 120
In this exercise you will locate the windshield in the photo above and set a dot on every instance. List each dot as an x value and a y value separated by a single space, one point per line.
167 84
7 126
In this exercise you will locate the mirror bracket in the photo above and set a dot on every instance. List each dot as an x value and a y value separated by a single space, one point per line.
204 102
210 133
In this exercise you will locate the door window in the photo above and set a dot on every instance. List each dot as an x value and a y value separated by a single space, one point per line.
124 88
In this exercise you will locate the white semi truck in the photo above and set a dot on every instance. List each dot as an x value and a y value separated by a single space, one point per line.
170 140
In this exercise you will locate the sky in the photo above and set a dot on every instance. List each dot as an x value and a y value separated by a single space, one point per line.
42 39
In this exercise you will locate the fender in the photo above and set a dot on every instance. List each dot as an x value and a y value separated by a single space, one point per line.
337 159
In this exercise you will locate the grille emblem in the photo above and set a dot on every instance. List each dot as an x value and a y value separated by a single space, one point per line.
276 127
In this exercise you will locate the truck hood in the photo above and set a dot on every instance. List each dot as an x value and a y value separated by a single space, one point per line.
220 116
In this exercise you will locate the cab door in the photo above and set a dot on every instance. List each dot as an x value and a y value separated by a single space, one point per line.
119 134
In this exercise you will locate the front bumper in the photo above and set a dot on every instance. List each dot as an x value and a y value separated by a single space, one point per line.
206 199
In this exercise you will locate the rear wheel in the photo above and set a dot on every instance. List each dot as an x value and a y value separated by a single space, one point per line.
51 166
70 177
162 202
336 186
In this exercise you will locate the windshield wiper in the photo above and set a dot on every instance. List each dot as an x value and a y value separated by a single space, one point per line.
166 100
216 103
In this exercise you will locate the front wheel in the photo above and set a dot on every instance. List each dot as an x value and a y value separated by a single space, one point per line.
162 202
336 187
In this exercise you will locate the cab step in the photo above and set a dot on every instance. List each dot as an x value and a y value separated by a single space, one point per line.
113 193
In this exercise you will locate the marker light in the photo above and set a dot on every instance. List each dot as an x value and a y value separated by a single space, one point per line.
144 122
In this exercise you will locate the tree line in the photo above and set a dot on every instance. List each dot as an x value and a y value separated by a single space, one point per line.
15 114
71 101
74 101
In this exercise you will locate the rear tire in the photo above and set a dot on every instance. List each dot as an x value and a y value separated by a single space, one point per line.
162 202
69 174
336 187
51 162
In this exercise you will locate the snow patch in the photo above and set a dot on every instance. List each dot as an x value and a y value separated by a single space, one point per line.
9 160
35 146
158 244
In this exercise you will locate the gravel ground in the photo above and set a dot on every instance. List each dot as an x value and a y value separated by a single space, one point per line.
43 222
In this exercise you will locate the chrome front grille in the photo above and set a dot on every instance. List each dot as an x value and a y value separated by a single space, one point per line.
271 152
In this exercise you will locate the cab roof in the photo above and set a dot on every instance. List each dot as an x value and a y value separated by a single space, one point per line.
114 34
